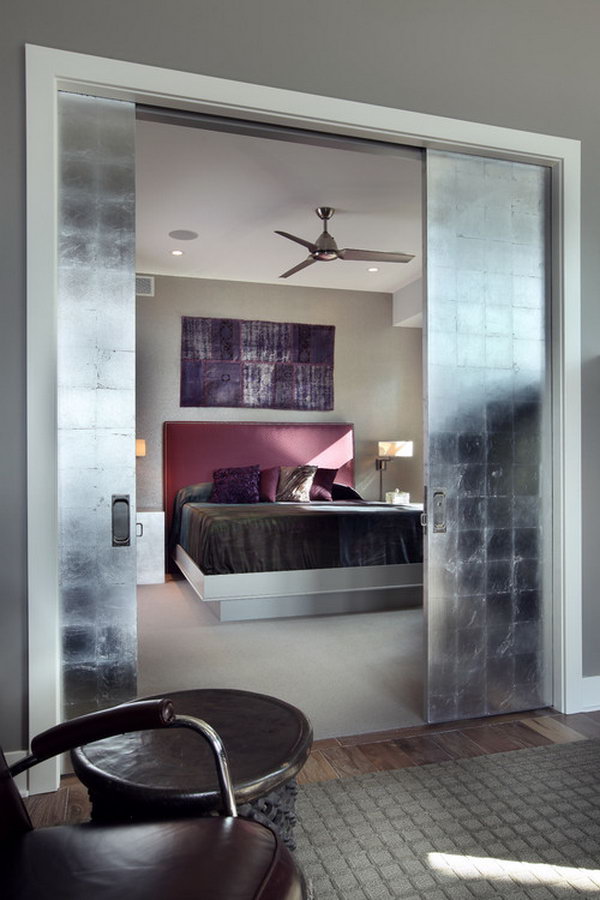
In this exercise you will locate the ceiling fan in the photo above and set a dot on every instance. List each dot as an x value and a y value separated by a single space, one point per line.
325 248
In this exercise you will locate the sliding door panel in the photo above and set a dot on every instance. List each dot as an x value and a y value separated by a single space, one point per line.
488 470
96 401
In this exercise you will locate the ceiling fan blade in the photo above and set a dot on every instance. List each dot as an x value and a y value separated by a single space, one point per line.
302 265
292 237
375 256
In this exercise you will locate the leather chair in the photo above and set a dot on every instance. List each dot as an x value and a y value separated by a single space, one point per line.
218 858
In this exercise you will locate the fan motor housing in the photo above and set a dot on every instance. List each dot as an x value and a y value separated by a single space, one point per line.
327 248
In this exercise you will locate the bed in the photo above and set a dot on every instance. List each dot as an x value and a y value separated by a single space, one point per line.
260 560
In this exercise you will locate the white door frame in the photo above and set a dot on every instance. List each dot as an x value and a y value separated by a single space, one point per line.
49 71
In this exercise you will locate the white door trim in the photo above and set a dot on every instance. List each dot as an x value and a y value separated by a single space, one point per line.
50 70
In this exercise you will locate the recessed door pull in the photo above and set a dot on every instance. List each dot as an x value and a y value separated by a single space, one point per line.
139 529
439 512
120 520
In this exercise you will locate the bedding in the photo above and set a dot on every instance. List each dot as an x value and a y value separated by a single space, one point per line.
295 483
269 479
343 492
237 484
323 484
227 539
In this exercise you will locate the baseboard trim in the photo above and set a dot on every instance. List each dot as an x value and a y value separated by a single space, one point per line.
590 693
21 781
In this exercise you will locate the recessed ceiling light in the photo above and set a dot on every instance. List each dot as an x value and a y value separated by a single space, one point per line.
372 269
182 234
176 252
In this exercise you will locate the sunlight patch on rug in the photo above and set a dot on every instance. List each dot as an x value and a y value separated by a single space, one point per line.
511 871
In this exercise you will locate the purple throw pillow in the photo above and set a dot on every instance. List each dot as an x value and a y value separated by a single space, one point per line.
269 479
322 484
236 485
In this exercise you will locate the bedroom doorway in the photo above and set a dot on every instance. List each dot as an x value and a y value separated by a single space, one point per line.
50 69
249 180
494 593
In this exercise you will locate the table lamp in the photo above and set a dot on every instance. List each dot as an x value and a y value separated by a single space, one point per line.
388 450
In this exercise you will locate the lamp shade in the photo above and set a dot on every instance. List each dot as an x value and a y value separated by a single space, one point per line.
140 447
390 449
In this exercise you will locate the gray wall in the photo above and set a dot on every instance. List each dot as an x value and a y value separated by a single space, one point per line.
377 372
528 64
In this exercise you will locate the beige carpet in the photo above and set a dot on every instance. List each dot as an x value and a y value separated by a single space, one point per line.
350 674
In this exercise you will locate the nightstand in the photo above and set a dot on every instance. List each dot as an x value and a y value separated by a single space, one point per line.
150 541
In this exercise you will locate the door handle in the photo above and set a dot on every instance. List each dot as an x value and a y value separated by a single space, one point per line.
121 536
439 512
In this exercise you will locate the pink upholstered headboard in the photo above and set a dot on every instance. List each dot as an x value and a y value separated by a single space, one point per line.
193 450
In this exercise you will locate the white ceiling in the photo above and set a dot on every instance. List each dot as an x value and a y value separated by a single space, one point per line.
235 190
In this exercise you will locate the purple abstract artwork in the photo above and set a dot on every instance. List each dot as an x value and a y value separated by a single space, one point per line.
266 365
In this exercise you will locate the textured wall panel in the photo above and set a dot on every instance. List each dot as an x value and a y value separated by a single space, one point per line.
488 442
96 398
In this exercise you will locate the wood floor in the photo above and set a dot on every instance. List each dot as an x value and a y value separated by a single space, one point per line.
359 754
423 744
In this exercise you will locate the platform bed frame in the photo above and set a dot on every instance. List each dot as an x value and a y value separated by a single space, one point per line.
192 450
304 592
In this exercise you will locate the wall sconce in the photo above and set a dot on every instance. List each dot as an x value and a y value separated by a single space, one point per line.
140 447
388 450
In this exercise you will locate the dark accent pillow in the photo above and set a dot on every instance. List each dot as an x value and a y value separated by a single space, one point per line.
344 492
322 484
192 493
236 485
269 479
295 483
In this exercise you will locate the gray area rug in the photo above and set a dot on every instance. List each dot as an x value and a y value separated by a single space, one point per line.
524 824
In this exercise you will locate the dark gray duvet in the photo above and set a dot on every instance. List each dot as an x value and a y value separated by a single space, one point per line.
272 537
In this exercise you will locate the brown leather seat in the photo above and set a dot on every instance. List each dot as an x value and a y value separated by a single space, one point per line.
220 859
216 858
